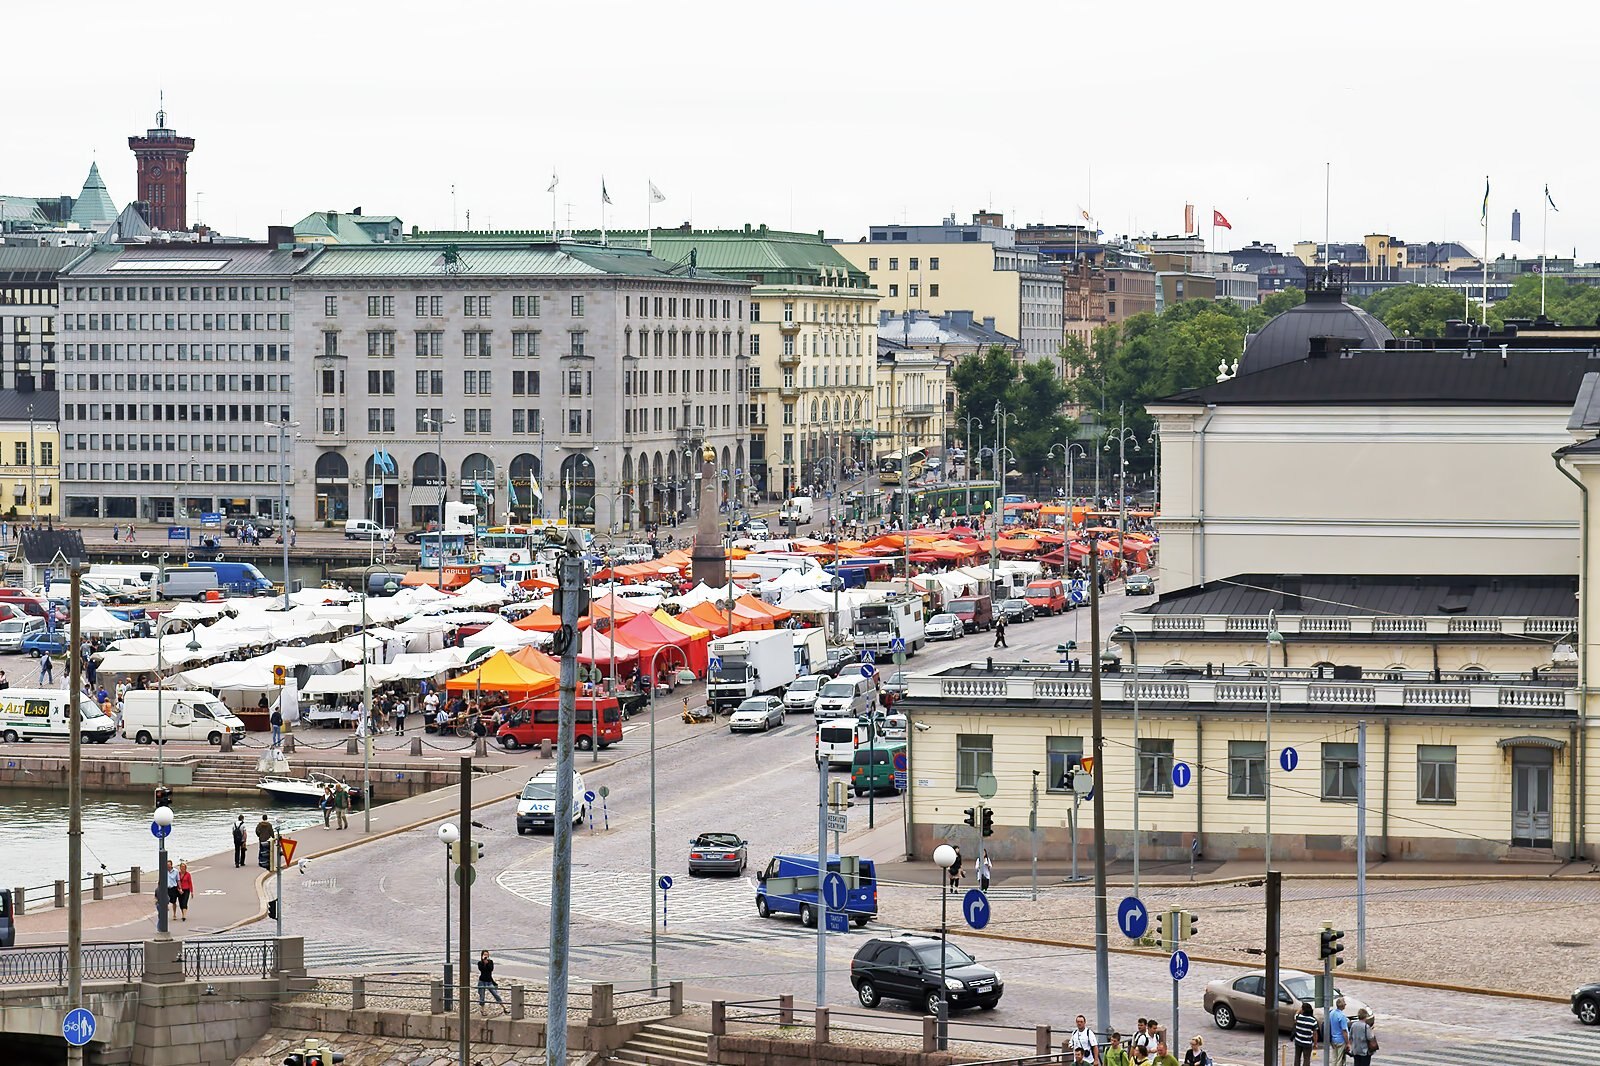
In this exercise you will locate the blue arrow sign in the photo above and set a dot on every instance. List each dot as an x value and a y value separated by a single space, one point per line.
158 830
665 882
589 797
897 645
868 657
714 663
867 669
834 892
975 908
1178 965
1132 918
78 1027
1181 774
838 922
1288 758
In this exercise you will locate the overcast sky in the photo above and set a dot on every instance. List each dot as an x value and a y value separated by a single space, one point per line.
834 116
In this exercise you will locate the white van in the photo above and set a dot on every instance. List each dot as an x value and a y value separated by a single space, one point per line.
366 529
190 715
797 509
847 696
120 588
41 714
537 805
837 740
18 628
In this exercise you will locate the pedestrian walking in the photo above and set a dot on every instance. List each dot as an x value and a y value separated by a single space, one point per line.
402 707
1305 1034
4 683
955 869
1000 632
487 984
47 669
1143 1039
276 719
185 890
341 805
238 842
1363 1041
1082 1038
1197 1054
985 870
1339 1032
264 843
172 884
1115 1054
327 805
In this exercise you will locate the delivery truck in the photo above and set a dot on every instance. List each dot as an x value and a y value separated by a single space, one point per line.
749 664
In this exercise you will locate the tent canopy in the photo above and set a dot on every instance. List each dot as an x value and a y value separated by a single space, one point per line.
501 673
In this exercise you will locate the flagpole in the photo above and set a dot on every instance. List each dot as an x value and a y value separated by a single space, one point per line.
649 209
1484 315
1544 242
603 199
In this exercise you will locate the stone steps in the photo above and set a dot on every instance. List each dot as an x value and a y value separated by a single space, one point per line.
664 1045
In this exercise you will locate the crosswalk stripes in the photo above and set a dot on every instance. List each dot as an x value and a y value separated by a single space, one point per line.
1572 1044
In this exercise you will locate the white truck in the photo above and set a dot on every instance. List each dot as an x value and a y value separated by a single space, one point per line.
749 664
879 625
796 509
810 651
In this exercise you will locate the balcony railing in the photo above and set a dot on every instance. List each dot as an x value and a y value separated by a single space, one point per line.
1246 627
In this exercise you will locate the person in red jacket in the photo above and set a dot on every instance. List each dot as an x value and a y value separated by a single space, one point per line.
185 890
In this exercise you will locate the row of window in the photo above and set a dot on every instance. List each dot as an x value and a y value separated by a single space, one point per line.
177 382
47 453
171 442
912 262
915 291
639 420
1247 767
169 412
667 307
835 313
479 343
638 382
170 293
191 353
226 473
532 306
216 322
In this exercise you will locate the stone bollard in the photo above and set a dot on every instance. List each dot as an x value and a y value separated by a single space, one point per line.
351 747
930 1033
675 998
416 745
436 997
135 876
99 886
822 1025
719 1017
227 741
358 993
544 749
61 893
786 1009
519 1003
1041 1040
288 745
480 750
600 1005
19 900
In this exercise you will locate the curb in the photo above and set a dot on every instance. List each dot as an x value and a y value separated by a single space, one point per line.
1435 986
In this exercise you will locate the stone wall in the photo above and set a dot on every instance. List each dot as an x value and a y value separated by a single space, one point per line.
763 1051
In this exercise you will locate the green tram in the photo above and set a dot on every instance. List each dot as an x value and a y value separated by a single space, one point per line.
953 498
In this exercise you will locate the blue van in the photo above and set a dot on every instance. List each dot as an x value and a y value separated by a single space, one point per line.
788 885
237 579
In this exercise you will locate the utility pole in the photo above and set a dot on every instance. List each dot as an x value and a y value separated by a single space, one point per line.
571 579
468 868
75 817
1361 845
1269 991
1102 945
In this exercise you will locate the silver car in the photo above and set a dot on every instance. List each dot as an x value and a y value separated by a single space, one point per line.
756 715
944 627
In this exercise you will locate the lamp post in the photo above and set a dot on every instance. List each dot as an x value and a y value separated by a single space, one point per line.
651 893
33 472
284 426
448 835
1273 637
1124 633
1003 457
163 818
444 481
1122 437
1066 467
366 697
944 856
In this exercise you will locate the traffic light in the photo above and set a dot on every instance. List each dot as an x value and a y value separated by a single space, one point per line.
972 817
272 908
988 822
163 796
1187 924
1333 946
455 852
477 847
1161 926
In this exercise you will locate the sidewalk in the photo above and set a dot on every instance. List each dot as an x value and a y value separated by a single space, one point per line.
227 897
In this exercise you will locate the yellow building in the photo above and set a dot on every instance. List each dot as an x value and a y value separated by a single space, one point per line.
30 469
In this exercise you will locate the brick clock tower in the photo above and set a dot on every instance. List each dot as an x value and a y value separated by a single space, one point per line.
163 174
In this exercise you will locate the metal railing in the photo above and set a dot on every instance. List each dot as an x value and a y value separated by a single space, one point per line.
230 958
125 961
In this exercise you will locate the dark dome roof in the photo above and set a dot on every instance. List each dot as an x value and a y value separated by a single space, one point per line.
1287 338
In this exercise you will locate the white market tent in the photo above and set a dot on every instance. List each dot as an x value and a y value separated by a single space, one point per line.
99 622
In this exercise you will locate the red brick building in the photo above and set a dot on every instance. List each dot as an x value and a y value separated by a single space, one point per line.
164 174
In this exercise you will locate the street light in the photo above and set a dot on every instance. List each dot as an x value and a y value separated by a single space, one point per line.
1122 436
366 697
284 426
1125 634
448 835
944 856
444 483
1066 465
163 818
1273 637
1154 440
651 894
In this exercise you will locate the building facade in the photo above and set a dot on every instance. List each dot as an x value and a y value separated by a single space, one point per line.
163 171
30 447
177 362
556 380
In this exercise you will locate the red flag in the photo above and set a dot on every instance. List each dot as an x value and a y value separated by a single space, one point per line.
1219 219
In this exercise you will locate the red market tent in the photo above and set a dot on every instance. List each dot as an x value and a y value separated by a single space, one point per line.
647 634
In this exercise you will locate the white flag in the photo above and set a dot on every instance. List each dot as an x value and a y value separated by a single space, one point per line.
655 194
605 197
554 181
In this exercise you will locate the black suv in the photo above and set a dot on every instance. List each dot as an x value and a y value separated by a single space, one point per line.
1586 1003
907 967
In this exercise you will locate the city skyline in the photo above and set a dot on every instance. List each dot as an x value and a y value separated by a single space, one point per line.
807 158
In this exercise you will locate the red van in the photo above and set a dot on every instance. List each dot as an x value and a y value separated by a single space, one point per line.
532 721
1048 596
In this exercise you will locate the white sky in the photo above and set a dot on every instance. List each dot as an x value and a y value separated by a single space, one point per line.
833 116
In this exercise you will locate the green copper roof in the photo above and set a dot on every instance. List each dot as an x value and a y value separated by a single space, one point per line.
93 204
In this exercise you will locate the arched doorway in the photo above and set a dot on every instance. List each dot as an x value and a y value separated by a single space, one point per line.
477 485
382 495
427 484
333 487
524 492
577 489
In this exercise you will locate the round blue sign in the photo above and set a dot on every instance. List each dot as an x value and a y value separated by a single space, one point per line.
1178 965
867 669
1181 774
975 908
78 1027
665 882
159 831
834 892
1288 758
1132 919
589 797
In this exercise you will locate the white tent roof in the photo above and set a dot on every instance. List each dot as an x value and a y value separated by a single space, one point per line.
502 634
481 594
813 601
701 593
98 622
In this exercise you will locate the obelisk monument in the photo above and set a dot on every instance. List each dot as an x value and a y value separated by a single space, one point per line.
709 562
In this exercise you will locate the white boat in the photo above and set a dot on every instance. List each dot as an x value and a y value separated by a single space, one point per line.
283 787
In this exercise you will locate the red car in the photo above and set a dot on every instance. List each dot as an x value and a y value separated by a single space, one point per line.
532 721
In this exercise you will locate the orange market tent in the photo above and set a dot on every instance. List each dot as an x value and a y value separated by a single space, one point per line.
501 673
756 603
714 617
544 620
538 660
644 632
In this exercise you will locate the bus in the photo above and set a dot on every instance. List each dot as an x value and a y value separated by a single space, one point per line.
915 461
967 498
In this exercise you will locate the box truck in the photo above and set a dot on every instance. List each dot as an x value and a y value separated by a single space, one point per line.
749 664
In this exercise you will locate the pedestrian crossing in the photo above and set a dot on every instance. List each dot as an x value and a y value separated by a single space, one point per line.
1567 1043
627 897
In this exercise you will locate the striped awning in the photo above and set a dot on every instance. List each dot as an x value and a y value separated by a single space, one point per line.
1553 743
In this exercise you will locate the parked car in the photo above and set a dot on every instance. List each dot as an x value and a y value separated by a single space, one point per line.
894 687
1586 1003
975 612
366 529
837 659
1140 585
944 627
1016 610
718 853
536 807
756 714
895 727
907 968
1231 1000
801 695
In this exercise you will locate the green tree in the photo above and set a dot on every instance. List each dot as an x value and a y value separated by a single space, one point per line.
1565 302
1036 423
981 382
1420 310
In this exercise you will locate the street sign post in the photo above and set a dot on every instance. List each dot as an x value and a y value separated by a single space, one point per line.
280 676
834 892
838 822
868 657
867 669
665 883
975 908
286 846
1288 758
1178 966
158 830
1181 774
897 646
1132 919
988 785
838 922
605 812
178 533
899 780
714 663
78 1026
